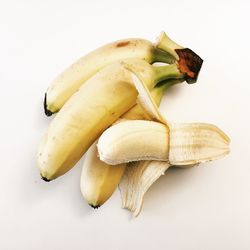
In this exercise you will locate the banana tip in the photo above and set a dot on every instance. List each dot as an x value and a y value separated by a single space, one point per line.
46 111
45 179
95 206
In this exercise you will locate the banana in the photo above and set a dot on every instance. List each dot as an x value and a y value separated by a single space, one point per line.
98 179
97 104
184 144
69 81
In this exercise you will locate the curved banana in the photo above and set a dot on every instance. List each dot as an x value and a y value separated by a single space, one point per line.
178 144
98 179
98 104
73 77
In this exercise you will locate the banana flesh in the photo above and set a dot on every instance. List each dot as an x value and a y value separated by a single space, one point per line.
134 141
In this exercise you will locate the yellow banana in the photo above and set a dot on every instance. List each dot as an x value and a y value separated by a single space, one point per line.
98 180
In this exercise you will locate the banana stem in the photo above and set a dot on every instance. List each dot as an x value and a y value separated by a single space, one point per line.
166 44
159 90
163 56
167 72
188 61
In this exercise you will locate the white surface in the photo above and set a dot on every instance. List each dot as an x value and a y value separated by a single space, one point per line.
206 207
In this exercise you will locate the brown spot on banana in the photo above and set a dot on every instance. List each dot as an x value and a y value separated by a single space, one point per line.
122 44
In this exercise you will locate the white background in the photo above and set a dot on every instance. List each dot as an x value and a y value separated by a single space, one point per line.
206 207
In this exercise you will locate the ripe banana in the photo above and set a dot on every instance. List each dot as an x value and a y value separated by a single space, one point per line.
67 83
98 179
178 144
97 104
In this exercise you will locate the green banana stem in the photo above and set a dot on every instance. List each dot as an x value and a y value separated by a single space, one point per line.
162 56
160 89
166 44
168 72
165 49
189 62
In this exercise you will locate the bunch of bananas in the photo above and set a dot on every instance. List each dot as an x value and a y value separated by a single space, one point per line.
107 104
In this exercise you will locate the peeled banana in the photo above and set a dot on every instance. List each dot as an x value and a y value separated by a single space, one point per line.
67 83
98 103
187 143
139 176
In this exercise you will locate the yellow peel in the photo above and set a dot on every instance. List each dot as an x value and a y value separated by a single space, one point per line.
137 179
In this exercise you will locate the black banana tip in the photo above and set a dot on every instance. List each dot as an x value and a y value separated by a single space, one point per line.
189 63
45 179
94 206
46 111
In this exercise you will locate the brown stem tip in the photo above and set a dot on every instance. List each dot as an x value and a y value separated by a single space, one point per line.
189 64
46 111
